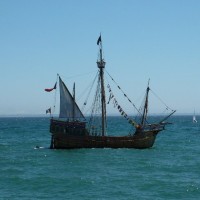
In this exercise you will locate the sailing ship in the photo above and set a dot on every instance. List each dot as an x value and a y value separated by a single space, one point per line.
72 130
194 118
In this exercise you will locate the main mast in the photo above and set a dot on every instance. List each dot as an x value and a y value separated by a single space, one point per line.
101 65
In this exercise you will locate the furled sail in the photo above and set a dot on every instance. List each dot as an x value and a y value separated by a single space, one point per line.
68 106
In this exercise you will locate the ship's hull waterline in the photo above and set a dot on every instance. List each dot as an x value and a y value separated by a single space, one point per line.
62 141
71 135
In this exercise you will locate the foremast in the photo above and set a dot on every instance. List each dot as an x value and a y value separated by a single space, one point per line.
101 65
74 100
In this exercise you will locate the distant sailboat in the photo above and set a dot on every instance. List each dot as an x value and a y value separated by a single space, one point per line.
194 118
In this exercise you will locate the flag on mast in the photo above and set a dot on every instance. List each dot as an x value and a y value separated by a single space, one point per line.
50 89
99 40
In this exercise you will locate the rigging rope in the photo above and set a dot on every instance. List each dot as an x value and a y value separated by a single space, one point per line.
167 107
94 126
138 110
86 100
123 113
124 94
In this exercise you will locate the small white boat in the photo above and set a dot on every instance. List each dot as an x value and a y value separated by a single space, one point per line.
194 118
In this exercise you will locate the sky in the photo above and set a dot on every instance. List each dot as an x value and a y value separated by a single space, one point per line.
146 39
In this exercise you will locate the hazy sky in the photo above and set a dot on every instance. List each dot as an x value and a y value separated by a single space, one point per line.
156 39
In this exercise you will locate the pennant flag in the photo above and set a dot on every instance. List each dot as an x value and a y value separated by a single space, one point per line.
50 89
115 102
99 40
48 111
110 97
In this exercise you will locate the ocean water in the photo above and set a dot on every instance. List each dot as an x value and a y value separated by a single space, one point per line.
169 170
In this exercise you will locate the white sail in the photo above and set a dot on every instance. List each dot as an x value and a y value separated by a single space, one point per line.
194 118
68 106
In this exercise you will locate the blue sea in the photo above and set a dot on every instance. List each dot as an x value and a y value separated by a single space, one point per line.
169 170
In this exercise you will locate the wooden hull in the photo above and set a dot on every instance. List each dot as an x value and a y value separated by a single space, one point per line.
71 135
62 141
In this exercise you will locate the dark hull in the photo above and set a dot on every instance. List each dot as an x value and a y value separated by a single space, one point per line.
62 141
72 135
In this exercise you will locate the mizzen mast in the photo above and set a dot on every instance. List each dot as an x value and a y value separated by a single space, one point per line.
101 65
145 111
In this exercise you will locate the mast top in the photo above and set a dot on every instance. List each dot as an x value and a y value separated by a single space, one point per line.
148 85
100 62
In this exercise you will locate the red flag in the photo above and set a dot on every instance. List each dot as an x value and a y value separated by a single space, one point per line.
50 89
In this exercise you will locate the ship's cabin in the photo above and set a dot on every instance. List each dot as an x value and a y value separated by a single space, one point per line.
76 127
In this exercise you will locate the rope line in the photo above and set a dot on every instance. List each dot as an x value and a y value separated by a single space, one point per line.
167 107
124 94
